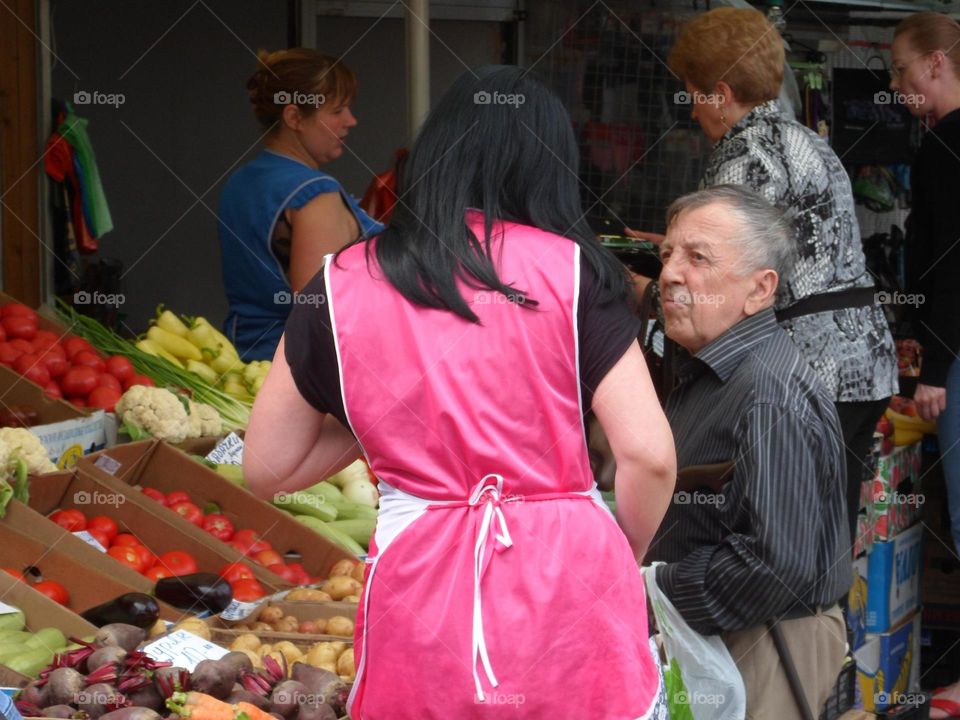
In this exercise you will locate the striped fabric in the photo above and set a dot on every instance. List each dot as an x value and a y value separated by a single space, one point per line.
775 539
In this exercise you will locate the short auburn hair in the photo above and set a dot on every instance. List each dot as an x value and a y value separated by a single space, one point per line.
301 76
736 45
930 31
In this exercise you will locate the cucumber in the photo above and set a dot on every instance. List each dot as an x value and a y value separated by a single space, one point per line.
355 511
15 636
305 503
49 638
360 529
14 621
331 534
30 662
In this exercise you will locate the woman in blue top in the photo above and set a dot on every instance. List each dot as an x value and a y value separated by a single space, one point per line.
279 214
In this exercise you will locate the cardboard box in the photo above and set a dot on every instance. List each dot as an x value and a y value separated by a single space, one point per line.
66 431
72 558
857 604
893 580
895 500
156 464
39 612
888 665
159 530
302 611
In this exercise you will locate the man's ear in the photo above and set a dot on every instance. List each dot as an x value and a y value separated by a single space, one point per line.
764 291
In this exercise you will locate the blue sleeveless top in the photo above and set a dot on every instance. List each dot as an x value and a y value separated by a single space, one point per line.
257 288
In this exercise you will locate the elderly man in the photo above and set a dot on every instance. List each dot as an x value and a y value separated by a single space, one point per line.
762 559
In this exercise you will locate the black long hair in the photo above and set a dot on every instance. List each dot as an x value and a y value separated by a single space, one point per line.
500 142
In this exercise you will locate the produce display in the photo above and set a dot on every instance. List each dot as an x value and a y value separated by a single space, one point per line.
271 618
334 656
50 588
65 366
21 453
157 412
24 651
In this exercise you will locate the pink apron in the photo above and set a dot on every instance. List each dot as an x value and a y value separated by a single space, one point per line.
497 579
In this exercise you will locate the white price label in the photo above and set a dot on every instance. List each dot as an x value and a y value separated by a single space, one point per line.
7 609
237 610
228 451
184 649
107 464
90 540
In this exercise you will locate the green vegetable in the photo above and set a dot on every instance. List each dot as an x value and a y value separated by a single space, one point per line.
305 504
50 638
359 529
11 627
133 430
30 662
337 536
6 495
233 473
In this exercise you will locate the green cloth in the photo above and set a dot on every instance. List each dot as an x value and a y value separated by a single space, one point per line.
74 130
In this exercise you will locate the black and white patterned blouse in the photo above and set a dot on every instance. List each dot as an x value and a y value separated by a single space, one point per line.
850 349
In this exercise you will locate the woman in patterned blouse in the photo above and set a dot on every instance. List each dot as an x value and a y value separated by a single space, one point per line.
731 61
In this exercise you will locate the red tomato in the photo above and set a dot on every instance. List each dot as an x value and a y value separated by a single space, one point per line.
73 345
17 326
138 380
88 358
32 368
155 494
177 496
22 346
52 389
238 546
44 339
127 555
178 562
56 364
147 558
219 526
8 353
71 520
108 526
100 536
157 573
246 537
104 398
303 578
269 557
247 590
18 309
77 401
53 590
283 571
16 573
120 367
125 540
107 380
79 381
236 571
189 512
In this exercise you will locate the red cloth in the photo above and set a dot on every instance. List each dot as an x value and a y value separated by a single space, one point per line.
58 163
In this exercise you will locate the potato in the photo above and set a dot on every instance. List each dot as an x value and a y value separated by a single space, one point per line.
345 667
287 625
342 567
270 614
290 651
352 598
320 654
338 646
158 628
242 626
339 587
308 627
194 625
247 641
307 595
340 625
264 649
253 657
262 626
358 572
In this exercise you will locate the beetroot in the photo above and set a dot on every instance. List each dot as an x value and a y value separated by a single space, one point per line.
323 683
98 699
316 711
105 656
62 685
33 694
239 694
120 635
238 660
171 679
213 677
287 697
58 711
131 713
147 697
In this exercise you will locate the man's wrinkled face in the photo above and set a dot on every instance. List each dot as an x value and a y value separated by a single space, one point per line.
704 290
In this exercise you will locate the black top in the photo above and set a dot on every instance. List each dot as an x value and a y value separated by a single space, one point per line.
932 254
605 333
776 537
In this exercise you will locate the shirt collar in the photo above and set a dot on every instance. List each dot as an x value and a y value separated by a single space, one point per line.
723 354
770 108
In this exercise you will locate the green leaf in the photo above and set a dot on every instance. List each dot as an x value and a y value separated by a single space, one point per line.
133 430
21 486
211 508
6 495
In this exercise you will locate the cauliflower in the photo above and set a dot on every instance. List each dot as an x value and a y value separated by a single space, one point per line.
154 411
203 420
21 444
162 414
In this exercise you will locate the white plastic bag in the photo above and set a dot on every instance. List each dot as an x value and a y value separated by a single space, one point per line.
701 679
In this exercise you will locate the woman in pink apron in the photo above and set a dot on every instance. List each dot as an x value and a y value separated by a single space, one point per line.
459 351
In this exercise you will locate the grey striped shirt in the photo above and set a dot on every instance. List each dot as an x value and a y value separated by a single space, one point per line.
775 539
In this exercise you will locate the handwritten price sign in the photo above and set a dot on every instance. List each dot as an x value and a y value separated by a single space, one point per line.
184 649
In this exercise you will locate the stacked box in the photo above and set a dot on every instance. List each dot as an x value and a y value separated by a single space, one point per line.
893 580
888 665
894 499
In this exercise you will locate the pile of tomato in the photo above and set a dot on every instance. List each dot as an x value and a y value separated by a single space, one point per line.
51 588
246 541
65 366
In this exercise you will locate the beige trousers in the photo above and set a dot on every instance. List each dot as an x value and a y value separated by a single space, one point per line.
817 645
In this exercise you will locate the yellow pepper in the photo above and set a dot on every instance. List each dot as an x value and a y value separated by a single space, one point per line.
150 347
170 322
204 371
174 344
227 362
